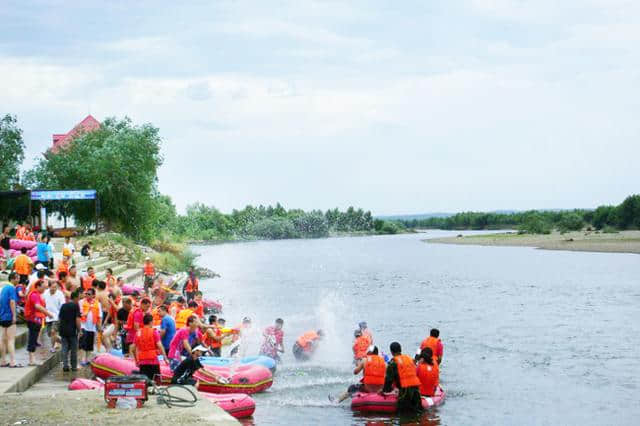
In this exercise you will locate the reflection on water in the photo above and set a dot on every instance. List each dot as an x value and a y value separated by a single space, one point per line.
530 336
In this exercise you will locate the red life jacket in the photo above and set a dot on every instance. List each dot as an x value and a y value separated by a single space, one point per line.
146 348
429 378
306 340
360 347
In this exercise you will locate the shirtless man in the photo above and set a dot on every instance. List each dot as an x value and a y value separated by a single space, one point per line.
73 278
102 296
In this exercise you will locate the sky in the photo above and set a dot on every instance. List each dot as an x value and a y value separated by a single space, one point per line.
395 107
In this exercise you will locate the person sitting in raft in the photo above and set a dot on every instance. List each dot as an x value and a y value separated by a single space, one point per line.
401 373
183 374
373 368
307 344
273 344
360 346
146 348
428 372
434 343
184 341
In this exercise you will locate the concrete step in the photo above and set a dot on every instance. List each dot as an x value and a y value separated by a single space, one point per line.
103 266
21 336
131 275
21 379
82 265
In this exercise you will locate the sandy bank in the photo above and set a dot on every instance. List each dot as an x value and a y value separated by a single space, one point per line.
622 242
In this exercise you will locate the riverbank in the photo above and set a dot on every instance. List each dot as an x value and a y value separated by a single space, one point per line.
620 242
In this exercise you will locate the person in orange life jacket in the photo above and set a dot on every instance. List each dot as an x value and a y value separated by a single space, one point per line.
146 348
191 286
434 343
35 312
360 346
428 372
401 373
135 320
366 333
87 280
183 315
91 323
373 368
149 272
200 309
307 344
63 266
23 266
212 336
177 306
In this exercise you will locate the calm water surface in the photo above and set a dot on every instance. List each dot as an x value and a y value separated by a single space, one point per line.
531 336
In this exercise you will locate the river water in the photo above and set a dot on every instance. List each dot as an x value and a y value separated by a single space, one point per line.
531 336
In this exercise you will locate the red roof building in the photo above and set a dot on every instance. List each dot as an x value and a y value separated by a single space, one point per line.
87 125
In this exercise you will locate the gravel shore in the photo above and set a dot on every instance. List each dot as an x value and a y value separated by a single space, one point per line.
621 242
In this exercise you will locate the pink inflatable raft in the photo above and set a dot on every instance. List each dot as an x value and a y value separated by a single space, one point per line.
245 379
107 365
388 403
237 404
85 384
19 244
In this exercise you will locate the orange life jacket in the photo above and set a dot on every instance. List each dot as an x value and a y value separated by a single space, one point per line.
406 371
192 285
182 317
200 310
360 347
432 343
22 264
149 269
374 370
30 236
20 232
146 348
87 282
157 319
208 340
429 378
62 267
306 340
95 310
111 281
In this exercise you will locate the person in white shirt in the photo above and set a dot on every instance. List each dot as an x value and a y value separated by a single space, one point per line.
90 318
54 299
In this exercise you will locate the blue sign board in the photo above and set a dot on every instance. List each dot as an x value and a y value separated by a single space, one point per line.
81 194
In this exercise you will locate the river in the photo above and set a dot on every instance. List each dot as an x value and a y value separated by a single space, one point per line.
531 336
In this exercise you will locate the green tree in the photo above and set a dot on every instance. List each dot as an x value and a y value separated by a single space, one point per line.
119 160
570 222
629 212
11 152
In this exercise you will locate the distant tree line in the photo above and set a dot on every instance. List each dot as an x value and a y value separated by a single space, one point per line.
623 216
120 161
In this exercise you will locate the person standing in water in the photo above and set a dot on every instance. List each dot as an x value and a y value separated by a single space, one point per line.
401 372
273 344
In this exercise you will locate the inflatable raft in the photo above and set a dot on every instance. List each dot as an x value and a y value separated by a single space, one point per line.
128 289
247 379
107 365
85 384
20 244
262 360
388 403
237 404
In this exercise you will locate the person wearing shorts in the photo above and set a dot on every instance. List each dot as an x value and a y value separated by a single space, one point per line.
8 316
91 317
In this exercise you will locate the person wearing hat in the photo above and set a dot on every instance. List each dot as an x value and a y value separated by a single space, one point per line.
183 374
373 370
